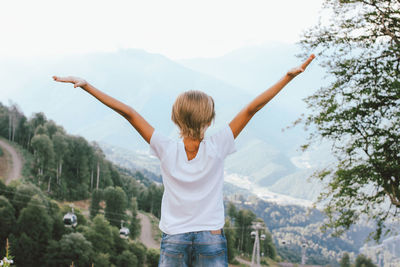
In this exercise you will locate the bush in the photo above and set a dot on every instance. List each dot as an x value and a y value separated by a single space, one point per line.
152 257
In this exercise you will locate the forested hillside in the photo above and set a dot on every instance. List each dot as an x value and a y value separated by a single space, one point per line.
63 169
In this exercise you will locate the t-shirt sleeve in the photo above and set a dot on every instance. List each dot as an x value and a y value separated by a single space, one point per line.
224 142
158 144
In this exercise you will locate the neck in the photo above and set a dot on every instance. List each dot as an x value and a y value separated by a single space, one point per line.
191 145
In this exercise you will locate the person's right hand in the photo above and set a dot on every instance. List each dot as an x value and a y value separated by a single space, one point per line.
78 82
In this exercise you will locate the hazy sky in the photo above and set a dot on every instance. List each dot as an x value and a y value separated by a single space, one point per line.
175 28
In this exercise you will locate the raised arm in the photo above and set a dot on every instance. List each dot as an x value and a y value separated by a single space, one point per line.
243 117
134 118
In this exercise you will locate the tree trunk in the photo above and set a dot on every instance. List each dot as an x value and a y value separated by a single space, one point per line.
48 185
91 179
58 169
98 175
9 126
13 129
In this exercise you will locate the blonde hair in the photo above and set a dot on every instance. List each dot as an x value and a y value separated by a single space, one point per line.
193 111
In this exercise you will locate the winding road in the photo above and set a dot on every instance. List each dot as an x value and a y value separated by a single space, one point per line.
145 235
14 170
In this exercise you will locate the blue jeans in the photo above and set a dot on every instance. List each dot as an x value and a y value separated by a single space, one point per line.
193 249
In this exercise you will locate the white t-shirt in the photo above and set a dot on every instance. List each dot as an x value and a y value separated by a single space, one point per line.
192 199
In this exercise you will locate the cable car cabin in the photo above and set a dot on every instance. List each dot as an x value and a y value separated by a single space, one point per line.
124 232
70 220
253 234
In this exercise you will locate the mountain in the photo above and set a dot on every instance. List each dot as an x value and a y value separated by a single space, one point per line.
151 82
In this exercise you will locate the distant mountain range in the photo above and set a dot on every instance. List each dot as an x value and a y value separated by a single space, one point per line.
267 158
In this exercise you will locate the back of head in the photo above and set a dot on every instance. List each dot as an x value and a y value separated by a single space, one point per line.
193 112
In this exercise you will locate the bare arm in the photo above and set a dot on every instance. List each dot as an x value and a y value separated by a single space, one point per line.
244 116
134 118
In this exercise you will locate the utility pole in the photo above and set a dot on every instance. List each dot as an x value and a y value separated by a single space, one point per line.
256 248
303 253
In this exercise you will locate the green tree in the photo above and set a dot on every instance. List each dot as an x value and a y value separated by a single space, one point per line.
100 235
97 197
44 155
102 260
345 261
359 111
152 257
38 119
116 205
150 199
76 168
22 195
72 247
268 246
51 128
362 261
140 251
243 222
134 226
232 211
35 228
7 219
119 244
127 259
60 149
230 235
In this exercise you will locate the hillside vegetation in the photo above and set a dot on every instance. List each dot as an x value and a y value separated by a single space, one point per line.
64 168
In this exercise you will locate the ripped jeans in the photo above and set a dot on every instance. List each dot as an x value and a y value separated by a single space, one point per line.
194 249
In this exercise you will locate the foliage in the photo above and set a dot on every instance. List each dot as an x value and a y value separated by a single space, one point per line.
152 257
359 111
268 247
68 167
7 219
230 236
362 261
100 234
72 247
345 261
149 200
134 226
140 251
238 234
34 226
102 260
97 196
127 259
116 204
8 259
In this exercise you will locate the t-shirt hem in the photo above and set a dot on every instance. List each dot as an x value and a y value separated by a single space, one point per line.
191 229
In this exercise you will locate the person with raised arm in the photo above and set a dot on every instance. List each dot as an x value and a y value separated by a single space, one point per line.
192 210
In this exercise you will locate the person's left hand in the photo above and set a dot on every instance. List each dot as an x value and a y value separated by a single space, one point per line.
296 71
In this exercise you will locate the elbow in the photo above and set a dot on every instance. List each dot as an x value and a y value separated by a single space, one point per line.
128 114
251 110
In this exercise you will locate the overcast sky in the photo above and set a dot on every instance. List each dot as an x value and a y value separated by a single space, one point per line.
175 28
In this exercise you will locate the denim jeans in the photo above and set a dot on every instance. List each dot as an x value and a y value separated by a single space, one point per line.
193 249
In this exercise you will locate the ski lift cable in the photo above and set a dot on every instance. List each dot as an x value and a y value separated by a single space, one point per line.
113 213
109 219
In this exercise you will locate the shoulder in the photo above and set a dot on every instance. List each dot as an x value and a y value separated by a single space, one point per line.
159 144
223 141
224 133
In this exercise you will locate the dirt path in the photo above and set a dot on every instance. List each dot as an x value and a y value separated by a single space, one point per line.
145 236
14 170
